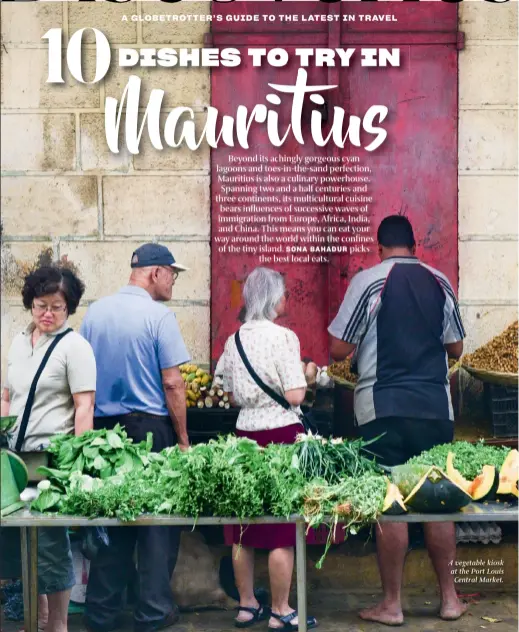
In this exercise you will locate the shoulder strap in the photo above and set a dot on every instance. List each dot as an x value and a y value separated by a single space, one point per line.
269 391
32 391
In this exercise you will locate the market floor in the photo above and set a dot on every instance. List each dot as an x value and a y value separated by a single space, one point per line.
492 612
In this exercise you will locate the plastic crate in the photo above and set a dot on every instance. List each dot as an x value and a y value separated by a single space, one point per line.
319 535
503 408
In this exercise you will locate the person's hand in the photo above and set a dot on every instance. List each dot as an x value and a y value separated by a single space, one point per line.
184 446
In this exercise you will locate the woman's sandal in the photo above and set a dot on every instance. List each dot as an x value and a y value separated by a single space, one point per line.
311 622
258 614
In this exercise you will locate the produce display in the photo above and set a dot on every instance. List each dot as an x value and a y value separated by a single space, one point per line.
470 457
342 370
483 487
327 481
482 471
498 355
201 390
508 477
427 489
94 455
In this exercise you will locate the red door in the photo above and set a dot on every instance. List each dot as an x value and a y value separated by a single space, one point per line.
414 172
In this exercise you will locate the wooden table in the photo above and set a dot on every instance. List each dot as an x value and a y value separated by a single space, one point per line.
29 522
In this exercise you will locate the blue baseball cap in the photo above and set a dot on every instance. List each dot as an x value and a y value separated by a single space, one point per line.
154 255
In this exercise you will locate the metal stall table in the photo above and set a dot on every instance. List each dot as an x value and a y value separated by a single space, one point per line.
29 522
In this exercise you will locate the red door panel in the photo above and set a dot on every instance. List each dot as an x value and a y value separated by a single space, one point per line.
414 171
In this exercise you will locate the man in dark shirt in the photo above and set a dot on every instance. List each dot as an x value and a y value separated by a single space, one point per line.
401 321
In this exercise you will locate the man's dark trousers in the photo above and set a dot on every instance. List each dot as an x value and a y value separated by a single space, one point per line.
157 550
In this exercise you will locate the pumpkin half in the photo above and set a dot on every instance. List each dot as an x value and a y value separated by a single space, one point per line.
394 501
406 476
508 477
435 492
483 487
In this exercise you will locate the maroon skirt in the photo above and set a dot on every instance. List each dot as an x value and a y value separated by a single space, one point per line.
265 536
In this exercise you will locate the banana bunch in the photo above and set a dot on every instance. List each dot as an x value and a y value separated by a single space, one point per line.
197 382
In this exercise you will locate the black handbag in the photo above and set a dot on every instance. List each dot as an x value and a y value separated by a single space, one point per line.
279 399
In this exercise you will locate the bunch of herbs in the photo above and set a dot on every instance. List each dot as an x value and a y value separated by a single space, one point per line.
333 459
355 502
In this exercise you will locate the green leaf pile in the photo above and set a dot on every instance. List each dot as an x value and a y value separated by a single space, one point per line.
99 454
469 458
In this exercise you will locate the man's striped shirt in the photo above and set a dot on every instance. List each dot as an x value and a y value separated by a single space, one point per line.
400 314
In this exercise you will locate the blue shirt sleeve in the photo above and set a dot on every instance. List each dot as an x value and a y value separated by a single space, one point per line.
171 349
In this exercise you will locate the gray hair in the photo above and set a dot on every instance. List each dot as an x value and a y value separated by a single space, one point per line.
263 290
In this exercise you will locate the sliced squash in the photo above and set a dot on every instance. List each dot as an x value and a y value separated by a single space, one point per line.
455 476
508 477
407 476
483 487
394 501
435 492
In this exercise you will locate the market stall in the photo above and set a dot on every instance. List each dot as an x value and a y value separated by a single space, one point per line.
29 522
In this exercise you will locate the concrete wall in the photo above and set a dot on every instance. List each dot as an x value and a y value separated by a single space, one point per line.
66 197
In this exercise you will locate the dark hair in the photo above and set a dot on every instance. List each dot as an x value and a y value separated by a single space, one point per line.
395 231
49 280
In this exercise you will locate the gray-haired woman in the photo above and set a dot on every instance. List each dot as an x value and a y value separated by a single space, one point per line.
274 354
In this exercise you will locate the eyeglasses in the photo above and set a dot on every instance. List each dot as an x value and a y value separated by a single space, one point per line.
53 309
172 270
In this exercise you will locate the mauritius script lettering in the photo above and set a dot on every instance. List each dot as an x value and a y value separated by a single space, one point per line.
235 130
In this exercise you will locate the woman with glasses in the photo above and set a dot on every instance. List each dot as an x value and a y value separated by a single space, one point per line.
274 354
63 403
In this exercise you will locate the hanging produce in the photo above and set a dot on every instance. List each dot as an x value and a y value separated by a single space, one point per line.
354 502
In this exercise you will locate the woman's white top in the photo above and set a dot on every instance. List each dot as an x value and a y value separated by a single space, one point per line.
274 353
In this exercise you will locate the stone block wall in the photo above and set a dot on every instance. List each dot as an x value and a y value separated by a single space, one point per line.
66 197
488 169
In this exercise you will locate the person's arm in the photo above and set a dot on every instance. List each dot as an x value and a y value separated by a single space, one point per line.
84 411
339 349
81 376
5 403
349 325
171 353
454 332
295 396
287 360
175 394
454 349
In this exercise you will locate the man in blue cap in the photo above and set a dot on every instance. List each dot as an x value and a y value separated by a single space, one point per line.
138 348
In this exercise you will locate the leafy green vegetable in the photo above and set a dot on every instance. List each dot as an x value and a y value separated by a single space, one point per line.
96 453
469 457
356 501
7 423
